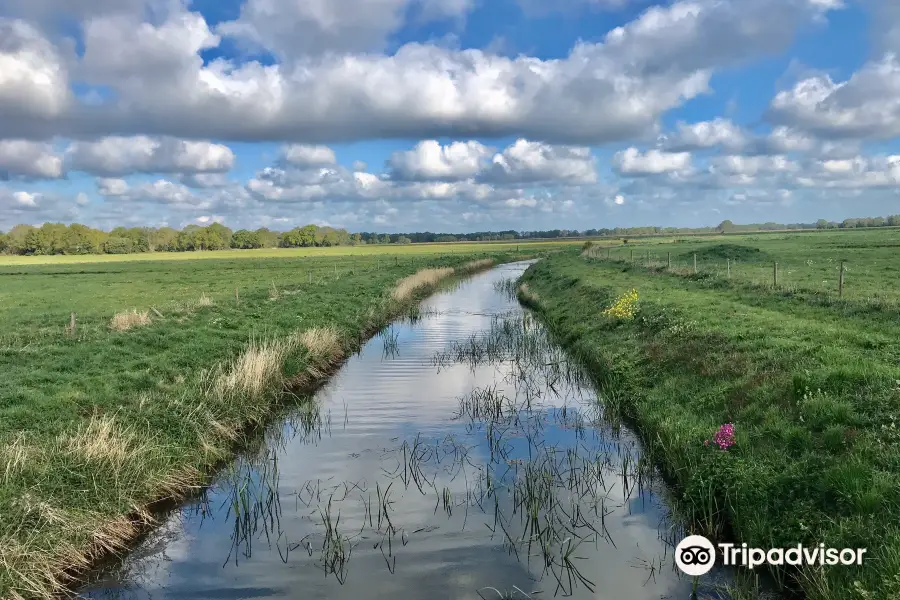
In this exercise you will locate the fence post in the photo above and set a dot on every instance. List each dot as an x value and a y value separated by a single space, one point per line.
632 257
72 324
728 267
237 297
609 254
695 263
775 274
841 281
669 261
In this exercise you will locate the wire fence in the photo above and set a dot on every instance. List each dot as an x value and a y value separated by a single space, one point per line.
816 274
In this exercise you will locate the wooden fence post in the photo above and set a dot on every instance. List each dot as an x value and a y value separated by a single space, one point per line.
695 263
841 281
669 261
728 267
237 297
72 324
775 274
609 254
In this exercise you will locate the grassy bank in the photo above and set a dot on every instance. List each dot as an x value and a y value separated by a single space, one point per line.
813 391
166 371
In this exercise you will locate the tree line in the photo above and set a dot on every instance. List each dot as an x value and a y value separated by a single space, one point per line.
58 238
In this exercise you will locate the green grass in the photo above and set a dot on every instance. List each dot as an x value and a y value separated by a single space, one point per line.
812 387
97 426
807 262
362 250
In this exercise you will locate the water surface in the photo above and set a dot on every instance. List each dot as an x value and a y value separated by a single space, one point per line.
459 455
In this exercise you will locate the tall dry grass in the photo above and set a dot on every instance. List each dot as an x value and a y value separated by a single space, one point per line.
125 320
477 265
420 279
255 370
323 344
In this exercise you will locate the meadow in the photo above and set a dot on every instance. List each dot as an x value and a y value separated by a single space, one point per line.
169 367
810 382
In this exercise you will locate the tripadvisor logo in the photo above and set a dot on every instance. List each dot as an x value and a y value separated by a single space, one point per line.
695 555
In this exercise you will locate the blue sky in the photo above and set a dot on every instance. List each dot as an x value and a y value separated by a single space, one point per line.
450 115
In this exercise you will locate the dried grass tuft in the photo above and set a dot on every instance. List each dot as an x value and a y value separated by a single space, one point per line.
478 265
13 456
423 278
255 370
125 320
323 343
204 300
104 440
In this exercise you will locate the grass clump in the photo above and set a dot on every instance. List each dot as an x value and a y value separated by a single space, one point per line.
129 319
418 280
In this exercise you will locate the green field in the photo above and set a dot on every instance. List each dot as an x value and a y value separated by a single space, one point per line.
313 252
810 381
99 422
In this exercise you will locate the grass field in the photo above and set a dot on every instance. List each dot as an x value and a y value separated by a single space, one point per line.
162 376
808 263
311 252
810 382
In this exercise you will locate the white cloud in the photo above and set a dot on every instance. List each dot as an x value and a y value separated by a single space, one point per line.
653 162
112 156
33 81
308 156
865 106
532 162
25 199
157 83
29 159
428 160
291 28
111 187
752 165
705 134
81 199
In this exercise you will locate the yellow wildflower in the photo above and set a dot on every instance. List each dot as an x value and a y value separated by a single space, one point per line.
624 307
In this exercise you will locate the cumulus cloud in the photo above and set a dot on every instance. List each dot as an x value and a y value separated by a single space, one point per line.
113 156
22 158
706 134
292 29
152 79
865 106
752 165
532 162
632 162
307 156
429 160
34 84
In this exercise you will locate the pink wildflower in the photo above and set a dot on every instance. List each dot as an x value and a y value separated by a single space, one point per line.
724 437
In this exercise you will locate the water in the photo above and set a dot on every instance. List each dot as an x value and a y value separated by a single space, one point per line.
457 456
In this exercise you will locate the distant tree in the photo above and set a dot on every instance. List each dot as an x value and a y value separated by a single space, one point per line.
4 242
821 224
243 238
356 239
267 238
404 240
118 245
15 239
725 226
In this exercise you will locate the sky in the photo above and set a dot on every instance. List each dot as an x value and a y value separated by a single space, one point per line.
448 115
